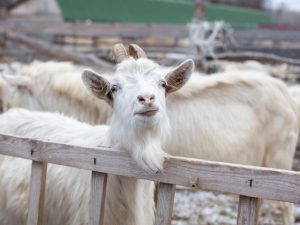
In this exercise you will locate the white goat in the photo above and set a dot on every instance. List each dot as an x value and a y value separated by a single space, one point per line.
136 91
295 93
52 86
229 117
281 71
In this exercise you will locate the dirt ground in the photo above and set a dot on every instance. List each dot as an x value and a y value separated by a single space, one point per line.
193 207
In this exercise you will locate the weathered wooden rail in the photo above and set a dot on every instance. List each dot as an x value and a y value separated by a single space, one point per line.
251 183
56 26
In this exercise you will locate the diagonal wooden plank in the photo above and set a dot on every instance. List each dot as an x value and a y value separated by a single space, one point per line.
165 201
97 199
37 193
248 210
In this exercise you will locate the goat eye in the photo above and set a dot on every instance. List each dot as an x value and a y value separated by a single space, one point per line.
114 88
163 84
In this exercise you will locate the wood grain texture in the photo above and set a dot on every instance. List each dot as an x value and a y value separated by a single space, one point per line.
50 26
55 51
248 210
37 193
97 198
265 183
165 201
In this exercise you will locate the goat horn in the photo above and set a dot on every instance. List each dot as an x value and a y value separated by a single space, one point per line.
119 52
136 51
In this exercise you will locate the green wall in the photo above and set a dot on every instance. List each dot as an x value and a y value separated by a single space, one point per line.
142 11
238 17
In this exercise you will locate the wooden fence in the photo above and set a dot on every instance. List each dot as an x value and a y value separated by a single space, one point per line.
249 182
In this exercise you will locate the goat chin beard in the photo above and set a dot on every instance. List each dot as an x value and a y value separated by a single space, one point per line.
149 153
151 160
144 143
145 122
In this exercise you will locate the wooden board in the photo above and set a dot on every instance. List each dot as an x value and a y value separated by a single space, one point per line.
37 193
55 26
97 198
40 25
165 201
248 211
215 176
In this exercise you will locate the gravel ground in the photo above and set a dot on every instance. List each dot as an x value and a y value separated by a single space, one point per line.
193 207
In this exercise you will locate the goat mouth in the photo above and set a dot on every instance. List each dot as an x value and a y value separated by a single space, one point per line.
148 113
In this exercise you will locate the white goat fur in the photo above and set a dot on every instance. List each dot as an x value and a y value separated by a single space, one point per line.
200 101
295 93
129 201
230 117
52 86
281 71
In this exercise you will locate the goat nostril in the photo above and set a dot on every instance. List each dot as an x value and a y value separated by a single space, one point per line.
152 98
146 99
141 99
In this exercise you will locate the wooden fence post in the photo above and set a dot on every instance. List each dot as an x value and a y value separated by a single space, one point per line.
165 201
97 198
248 210
37 193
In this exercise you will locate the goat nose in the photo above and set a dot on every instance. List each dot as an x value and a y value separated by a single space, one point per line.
146 99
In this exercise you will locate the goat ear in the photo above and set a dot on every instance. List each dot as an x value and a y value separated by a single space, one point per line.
178 77
97 84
